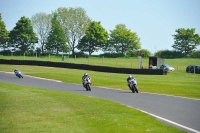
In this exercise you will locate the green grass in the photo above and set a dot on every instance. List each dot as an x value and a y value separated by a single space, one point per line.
178 83
30 110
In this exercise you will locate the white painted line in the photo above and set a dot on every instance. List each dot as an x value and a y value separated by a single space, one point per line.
7 72
149 93
169 121
44 78
171 96
174 123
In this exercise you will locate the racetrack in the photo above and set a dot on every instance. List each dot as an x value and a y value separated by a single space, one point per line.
183 113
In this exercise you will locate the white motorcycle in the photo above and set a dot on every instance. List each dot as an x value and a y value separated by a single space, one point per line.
87 83
133 85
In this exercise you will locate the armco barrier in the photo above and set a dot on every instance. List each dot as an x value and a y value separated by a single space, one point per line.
84 67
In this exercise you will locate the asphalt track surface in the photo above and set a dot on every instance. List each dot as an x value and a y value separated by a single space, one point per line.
183 113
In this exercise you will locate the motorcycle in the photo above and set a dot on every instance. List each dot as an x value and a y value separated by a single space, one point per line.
18 74
133 85
87 83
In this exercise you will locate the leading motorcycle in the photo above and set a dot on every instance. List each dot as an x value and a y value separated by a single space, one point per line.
18 73
87 83
133 85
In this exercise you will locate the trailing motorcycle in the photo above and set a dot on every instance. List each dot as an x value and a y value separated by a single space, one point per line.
87 83
133 85
18 73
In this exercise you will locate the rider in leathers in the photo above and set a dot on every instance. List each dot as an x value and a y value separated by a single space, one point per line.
129 78
84 77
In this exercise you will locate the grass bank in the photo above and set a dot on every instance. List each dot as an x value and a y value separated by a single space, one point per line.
30 110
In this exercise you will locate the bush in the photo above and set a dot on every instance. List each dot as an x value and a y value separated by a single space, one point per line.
79 55
143 52
169 54
5 52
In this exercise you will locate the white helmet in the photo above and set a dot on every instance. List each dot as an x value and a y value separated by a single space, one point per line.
85 74
130 76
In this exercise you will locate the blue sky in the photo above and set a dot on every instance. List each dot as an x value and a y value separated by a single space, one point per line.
154 21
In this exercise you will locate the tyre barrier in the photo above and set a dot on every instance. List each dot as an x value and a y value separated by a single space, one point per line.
84 67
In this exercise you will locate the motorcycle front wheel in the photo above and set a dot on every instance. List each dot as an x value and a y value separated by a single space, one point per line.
136 89
133 89
89 88
86 87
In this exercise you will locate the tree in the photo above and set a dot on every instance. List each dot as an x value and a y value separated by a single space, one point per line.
41 23
74 22
186 41
3 34
56 40
122 40
22 36
95 37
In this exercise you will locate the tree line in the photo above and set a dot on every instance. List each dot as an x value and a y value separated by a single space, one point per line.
71 29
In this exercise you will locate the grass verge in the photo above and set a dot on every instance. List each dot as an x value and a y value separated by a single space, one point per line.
30 110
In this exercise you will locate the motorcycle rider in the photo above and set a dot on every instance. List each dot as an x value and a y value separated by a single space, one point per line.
129 78
16 71
84 77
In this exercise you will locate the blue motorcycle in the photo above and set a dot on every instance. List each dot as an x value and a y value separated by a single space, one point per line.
18 73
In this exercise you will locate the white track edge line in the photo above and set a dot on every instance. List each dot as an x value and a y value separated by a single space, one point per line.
36 77
169 121
149 93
